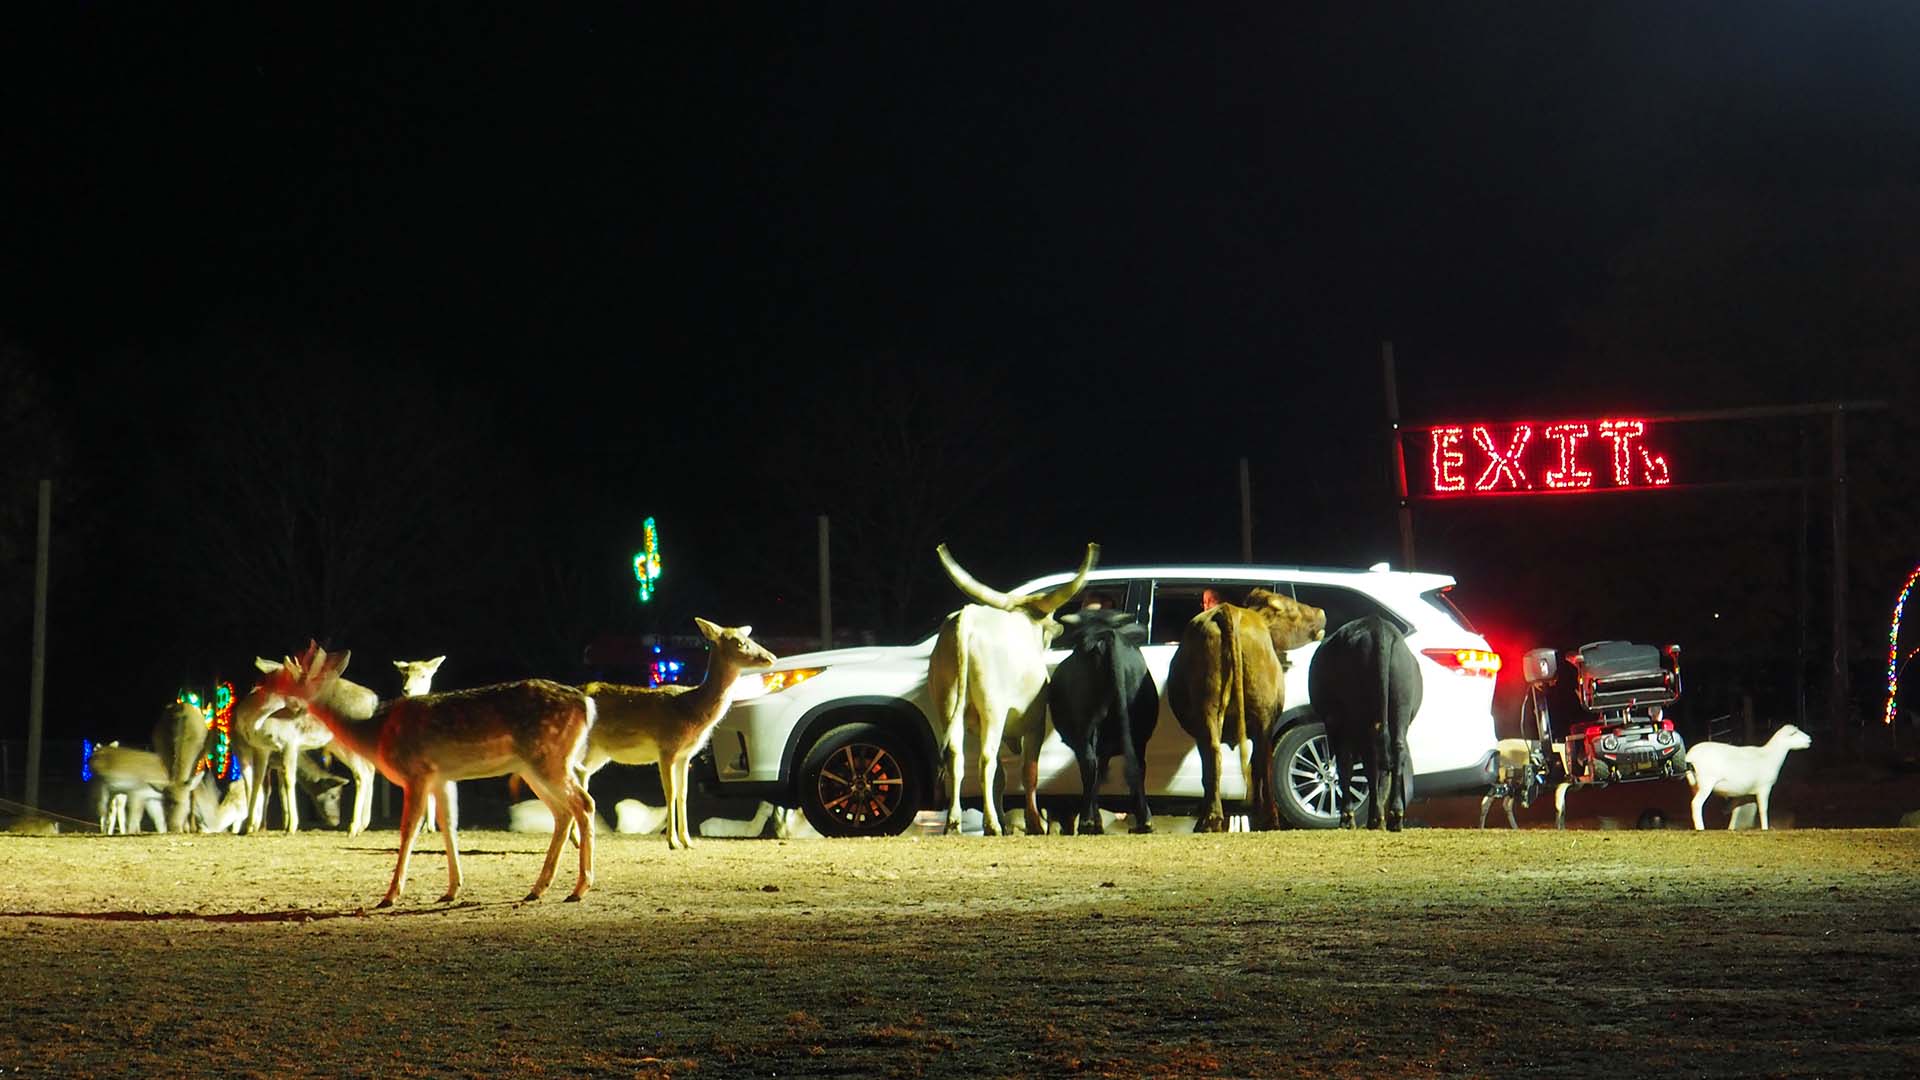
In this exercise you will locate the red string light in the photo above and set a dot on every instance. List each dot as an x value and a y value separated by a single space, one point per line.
1505 469
1447 460
1569 474
1503 465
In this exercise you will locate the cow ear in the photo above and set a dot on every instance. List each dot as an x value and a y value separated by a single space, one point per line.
1124 618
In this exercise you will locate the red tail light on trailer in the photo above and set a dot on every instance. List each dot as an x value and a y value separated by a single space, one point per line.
1466 661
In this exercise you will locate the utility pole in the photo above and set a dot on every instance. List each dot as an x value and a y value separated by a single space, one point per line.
36 696
1837 488
826 589
1246 515
1399 457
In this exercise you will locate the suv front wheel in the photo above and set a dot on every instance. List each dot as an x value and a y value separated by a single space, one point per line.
862 779
1305 779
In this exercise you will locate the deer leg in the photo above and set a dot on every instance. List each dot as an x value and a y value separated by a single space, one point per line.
362 795
559 801
583 773
413 807
453 846
583 811
289 774
682 786
667 790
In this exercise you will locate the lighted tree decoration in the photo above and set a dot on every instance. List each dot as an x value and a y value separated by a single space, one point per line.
646 562
1895 663
217 709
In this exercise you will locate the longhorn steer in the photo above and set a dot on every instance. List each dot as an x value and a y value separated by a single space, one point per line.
1365 684
988 677
1226 684
1103 702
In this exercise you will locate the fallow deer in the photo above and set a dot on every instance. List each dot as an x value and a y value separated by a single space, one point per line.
638 725
358 703
270 736
536 728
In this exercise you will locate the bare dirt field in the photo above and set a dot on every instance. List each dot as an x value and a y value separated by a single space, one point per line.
1436 951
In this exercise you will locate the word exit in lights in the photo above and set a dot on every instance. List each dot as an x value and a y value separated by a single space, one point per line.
1562 457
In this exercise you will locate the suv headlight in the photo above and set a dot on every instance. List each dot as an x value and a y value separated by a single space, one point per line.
762 683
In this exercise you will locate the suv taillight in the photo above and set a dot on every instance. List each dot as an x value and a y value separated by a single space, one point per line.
1465 661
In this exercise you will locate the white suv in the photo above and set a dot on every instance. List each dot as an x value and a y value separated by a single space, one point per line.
848 735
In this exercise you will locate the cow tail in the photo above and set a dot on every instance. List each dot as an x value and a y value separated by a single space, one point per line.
1237 684
955 706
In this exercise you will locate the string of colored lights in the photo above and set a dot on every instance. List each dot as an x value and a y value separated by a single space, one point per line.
1894 661
646 562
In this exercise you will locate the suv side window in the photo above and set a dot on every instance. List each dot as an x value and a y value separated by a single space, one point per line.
1344 605
1175 603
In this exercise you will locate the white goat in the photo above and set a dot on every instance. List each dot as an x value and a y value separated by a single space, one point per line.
1732 771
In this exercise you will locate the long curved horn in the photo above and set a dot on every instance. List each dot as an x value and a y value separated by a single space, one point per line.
1050 600
975 591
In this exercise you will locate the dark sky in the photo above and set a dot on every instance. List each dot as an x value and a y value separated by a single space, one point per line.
660 242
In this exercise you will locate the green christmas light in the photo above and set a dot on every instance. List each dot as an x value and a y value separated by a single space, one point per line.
646 563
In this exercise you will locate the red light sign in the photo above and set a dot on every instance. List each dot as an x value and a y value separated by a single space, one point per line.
1488 459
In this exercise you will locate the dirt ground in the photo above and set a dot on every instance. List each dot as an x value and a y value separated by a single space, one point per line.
1436 951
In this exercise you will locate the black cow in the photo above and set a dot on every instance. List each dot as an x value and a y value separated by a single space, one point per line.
1366 686
1104 703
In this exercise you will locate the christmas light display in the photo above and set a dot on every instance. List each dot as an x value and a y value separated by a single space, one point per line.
1511 461
86 760
1895 663
646 562
217 711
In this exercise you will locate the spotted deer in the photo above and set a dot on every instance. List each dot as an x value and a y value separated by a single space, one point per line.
535 728
357 702
639 725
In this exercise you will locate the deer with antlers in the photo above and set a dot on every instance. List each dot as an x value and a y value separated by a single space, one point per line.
535 728
638 725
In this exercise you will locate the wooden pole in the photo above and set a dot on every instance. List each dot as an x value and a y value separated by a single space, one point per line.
826 589
1399 457
36 694
1837 707
1246 515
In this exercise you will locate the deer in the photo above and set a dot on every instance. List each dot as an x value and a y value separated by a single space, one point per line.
357 702
271 732
668 725
535 728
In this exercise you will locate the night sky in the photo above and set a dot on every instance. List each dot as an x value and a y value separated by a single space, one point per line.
509 280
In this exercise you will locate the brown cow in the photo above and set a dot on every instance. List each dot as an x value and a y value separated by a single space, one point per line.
1227 684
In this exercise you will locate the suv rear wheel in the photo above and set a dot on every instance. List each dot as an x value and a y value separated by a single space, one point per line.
862 779
1305 778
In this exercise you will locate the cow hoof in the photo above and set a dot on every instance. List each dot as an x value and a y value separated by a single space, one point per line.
1092 827
1143 827
1393 823
1346 821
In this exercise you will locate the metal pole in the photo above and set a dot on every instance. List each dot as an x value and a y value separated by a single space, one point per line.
826 590
1837 708
36 696
1399 457
1802 577
1246 515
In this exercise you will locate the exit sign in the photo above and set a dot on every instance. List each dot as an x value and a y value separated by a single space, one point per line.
1559 457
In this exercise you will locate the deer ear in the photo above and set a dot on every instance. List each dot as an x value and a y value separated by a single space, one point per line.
710 630
434 664
400 665
746 631
266 666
